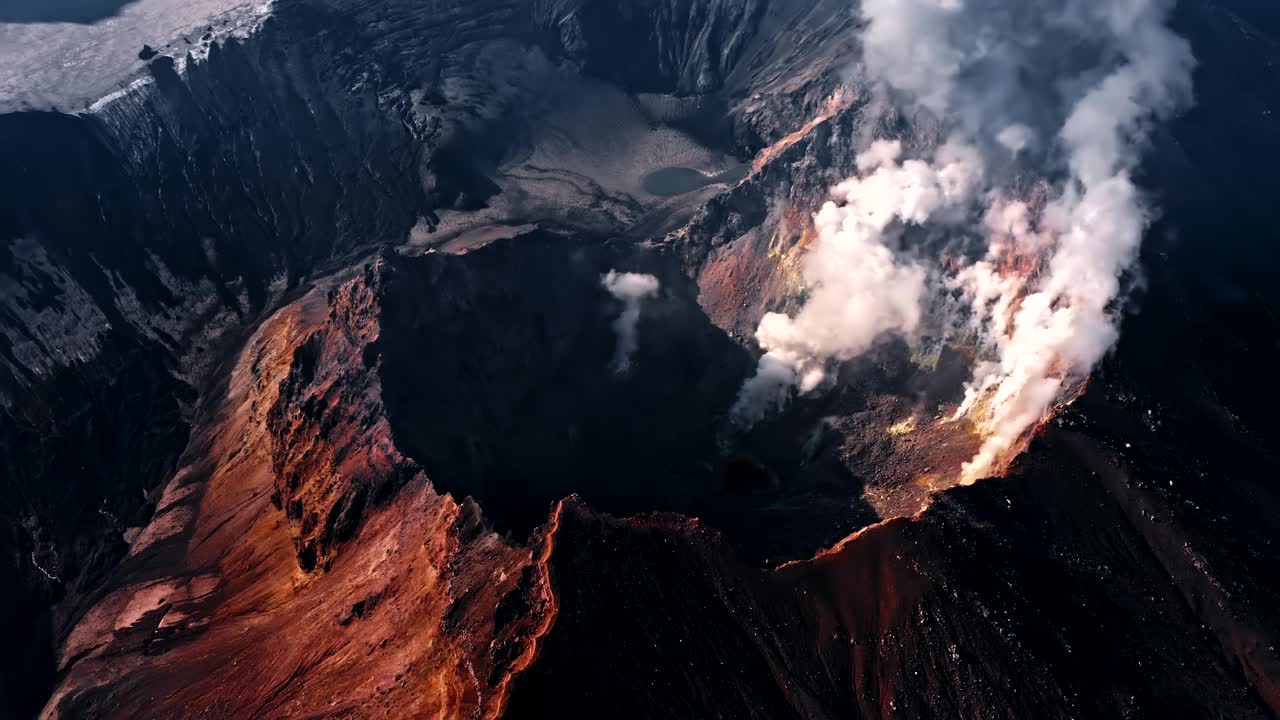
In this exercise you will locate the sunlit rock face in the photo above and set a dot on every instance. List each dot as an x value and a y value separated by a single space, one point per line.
311 401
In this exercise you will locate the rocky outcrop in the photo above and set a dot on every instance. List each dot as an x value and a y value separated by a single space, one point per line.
429 614
332 456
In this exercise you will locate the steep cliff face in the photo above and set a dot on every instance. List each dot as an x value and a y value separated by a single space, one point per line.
331 457
429 614
660 46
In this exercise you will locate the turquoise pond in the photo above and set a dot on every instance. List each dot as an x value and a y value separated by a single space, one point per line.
680 180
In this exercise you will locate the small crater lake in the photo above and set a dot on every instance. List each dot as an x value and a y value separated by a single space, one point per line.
669 181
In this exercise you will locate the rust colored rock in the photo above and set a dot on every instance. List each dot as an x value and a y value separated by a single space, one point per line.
426 615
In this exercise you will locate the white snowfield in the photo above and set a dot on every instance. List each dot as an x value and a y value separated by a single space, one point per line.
70 66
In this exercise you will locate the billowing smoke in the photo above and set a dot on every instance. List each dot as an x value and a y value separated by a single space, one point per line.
1058 97
859 289
631 289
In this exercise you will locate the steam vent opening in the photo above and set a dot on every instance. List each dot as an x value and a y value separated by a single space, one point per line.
501 377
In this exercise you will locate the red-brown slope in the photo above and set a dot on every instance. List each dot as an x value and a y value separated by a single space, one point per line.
212 615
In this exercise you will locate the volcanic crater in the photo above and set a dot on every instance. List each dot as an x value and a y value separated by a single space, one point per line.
313 408
496 373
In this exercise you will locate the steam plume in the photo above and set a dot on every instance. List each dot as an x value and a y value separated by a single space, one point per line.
631 289
859 289
1058 96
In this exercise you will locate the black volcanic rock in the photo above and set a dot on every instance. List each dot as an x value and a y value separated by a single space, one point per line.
1030 596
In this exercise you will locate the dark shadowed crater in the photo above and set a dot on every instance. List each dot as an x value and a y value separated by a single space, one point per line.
498 378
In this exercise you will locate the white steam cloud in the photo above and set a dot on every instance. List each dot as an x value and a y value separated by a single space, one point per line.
858 288
1058 96
631 289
